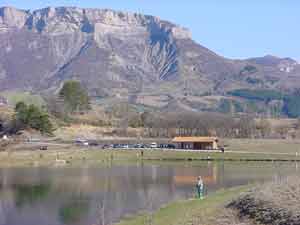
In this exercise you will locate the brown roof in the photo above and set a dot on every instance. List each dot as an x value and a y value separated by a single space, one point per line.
195 139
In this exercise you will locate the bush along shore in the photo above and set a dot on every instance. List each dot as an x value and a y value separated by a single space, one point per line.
275 203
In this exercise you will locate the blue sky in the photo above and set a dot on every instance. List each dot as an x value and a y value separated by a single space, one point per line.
232 28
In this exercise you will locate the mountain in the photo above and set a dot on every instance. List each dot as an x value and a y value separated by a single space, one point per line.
131 56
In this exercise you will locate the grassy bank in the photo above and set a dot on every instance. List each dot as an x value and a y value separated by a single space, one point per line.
207 211
276 202
77 156
26 154
71 157
218 156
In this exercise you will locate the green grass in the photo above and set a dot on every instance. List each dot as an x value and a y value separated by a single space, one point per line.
93 156
264 145
229 156
73 157
188 211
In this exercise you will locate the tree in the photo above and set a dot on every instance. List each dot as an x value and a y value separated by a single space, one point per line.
292 105
245 127
32 117
264 128
1 126
56 107
21 112
282 130
225 106
75 97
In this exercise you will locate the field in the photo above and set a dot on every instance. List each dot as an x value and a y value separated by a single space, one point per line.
290 146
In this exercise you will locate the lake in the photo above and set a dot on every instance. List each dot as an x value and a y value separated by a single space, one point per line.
92 196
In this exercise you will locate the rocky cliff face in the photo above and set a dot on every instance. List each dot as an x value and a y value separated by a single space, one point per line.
103 48
121 54
12 18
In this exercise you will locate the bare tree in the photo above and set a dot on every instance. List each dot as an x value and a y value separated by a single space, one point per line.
263 127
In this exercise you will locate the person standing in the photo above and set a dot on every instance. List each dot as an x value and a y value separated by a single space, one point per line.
200 187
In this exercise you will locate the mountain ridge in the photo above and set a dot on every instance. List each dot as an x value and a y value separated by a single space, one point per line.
127 56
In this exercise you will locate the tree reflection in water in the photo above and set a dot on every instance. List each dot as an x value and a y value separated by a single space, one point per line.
73 211
30 194
85 196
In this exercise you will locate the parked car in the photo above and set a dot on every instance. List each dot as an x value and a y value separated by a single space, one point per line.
131 146
139 146
34 140
153 145
93 143
43 148
81 141
167 146
118 146
106 146
121 146
163 146
171 146
125 146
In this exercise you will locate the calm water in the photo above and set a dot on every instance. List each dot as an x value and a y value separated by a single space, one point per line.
89 196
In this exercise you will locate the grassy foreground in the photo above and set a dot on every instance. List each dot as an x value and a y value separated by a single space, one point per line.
193 211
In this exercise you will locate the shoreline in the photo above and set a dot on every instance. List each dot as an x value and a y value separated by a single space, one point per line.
27 154
74 156
182 212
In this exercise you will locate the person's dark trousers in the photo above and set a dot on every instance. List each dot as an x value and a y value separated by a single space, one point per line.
200 192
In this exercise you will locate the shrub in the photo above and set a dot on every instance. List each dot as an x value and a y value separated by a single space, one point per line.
249 69
251 80
230 106
292 106
259 95
74 96
32 117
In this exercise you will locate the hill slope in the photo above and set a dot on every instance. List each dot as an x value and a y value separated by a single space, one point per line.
129 56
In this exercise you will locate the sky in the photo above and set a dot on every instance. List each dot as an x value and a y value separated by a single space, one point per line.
231 28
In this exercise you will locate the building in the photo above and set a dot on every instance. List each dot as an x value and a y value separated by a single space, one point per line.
196 143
